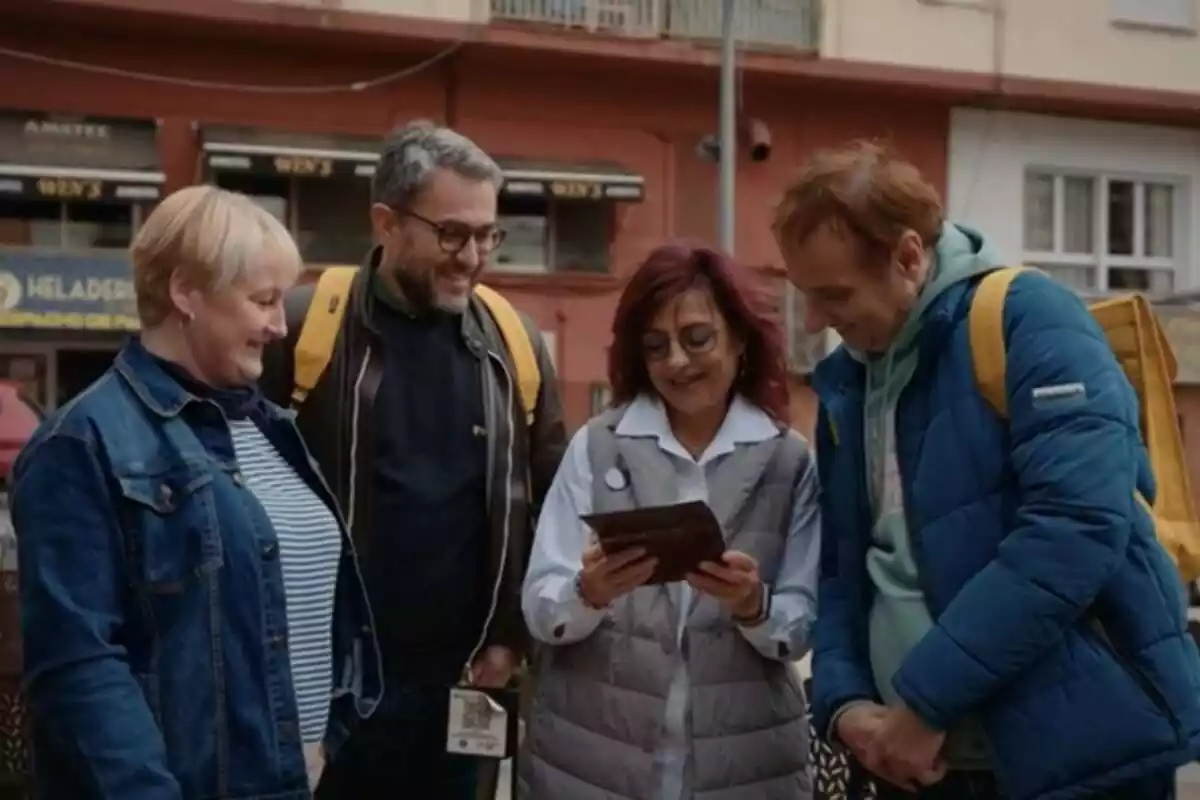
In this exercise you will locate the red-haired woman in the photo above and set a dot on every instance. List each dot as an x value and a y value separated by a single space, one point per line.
676 691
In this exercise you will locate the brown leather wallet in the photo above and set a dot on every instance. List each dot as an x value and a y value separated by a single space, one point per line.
680 536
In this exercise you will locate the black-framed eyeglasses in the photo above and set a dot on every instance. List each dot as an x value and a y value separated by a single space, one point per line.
695 339
453 236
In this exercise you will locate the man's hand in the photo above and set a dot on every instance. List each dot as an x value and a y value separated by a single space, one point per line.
494 668
605 578
858 728
908 750
734 582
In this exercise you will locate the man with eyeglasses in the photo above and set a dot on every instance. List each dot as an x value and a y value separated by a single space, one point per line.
418 426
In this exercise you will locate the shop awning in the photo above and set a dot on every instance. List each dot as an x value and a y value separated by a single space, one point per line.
592 180
78 158
260 151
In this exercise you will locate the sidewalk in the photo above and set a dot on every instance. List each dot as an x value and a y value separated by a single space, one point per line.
1189 782
505 793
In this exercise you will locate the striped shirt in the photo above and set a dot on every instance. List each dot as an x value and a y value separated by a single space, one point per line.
310 547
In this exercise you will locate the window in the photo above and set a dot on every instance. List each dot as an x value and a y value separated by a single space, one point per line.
69 225
552 235
328 217
1098 234
1170 14
601 397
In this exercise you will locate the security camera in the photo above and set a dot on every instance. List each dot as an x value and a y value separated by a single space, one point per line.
709 148
753 134
758 139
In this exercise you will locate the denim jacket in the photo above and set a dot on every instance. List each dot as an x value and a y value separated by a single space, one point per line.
152 601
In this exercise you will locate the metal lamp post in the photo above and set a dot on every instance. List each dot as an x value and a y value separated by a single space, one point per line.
727 172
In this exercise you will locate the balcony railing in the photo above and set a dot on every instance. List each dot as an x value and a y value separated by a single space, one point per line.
785 24
639 18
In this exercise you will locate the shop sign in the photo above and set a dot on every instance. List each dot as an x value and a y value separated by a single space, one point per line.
66 291
593 182
289 165
41 139
572 188
72 189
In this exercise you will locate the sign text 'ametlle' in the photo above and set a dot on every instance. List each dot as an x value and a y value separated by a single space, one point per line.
67 129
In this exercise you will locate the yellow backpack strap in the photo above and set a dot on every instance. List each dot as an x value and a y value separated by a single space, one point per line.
520 348
985 330
318 332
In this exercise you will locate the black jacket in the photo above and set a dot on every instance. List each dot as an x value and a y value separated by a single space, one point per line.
339 410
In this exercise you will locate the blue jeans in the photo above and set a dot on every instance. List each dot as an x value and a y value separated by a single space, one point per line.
401 752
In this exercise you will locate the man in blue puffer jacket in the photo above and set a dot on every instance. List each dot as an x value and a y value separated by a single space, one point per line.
996 616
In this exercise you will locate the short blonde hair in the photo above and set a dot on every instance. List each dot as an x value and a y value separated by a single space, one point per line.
211 236
864 189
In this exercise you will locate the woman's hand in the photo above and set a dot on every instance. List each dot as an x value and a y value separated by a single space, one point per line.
604 578
734 582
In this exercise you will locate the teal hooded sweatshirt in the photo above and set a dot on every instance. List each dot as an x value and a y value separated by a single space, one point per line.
899 614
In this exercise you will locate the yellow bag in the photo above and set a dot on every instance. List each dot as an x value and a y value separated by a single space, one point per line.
1143 351
323 320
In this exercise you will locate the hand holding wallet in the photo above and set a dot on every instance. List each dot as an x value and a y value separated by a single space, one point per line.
605 577
678 537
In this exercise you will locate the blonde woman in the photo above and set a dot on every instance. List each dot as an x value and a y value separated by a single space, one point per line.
193 619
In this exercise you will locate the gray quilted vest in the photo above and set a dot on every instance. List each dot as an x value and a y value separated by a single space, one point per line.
598 706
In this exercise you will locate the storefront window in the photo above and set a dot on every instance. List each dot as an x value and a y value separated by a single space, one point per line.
546 235
30 223
97 225
26 371
333 222
269 191
81 225
328 217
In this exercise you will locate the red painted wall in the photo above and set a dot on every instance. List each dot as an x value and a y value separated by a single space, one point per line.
515 104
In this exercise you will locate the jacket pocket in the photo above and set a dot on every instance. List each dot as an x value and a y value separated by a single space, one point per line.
1094 630
173 536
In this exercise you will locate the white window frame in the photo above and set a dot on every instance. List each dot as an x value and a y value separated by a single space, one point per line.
1167 15
550 339
804 350
1099 259
599 397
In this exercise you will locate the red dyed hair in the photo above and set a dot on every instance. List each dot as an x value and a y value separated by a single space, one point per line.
670 271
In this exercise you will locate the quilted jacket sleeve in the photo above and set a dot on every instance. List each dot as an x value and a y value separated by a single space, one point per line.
1076 452
841 660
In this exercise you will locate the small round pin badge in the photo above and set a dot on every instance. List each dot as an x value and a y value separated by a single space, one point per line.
615 479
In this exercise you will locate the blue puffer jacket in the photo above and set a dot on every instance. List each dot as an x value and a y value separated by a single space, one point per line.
1060 622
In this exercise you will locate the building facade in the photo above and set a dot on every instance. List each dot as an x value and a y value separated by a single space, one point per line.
1057 127
595 113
